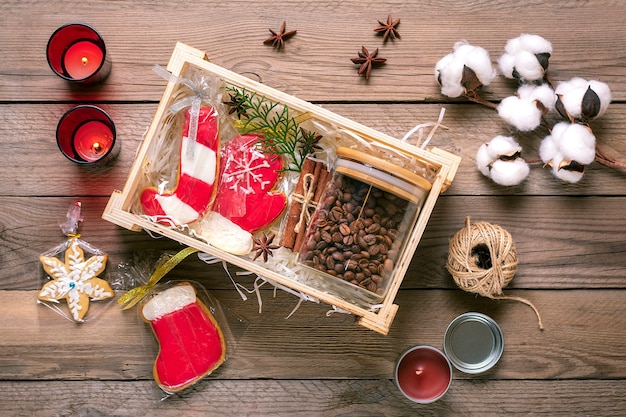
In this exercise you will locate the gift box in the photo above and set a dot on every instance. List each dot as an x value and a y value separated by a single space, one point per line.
246 174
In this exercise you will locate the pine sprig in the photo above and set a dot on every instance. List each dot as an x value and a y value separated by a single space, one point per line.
280 133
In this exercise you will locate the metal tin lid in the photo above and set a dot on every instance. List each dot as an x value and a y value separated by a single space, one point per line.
473 342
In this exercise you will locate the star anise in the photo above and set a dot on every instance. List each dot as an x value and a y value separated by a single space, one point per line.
310 140
263 246
367 61
238 104
278 38
388 29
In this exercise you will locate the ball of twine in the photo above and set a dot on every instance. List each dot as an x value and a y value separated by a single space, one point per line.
482 259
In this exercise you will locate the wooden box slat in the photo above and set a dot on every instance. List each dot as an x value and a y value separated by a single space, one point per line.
118 208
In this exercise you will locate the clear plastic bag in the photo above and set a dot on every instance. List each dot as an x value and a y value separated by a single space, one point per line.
73 272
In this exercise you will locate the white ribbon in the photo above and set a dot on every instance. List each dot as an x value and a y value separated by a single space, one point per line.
201 91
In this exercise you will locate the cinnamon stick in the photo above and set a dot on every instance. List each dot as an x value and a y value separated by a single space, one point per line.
321 176
289 234
324 177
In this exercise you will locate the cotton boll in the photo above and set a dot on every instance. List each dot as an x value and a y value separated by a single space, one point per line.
569 176
509 173
492 162
542 93
570 94
506 63
521 60
449 72
528 67
449 69
548 149
558 132
545 94
522 110
478 59
578 144
535 44
502 145
565 174
567 145
513 46
524 115
578 104
483 159
573 84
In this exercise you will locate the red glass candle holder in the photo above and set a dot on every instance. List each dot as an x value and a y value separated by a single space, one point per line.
76 52
423 374
86 135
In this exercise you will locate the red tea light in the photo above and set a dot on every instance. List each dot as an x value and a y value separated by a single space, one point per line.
86 134
76 52
423 374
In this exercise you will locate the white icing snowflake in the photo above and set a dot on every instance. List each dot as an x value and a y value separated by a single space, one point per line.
241 171
76 280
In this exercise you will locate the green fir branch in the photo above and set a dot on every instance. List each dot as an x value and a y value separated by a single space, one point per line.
280 133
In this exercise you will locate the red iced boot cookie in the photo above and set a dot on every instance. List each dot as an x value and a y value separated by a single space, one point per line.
246 193
194 191
190 339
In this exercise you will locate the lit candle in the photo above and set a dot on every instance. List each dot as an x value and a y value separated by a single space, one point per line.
76 52
86 134
423 374
82 59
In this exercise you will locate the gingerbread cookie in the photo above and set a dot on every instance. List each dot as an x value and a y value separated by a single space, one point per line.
75 280
194 192
191 342
246 194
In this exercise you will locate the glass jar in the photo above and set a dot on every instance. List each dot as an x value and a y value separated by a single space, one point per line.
361 226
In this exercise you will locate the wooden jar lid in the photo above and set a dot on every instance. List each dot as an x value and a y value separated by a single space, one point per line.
388 167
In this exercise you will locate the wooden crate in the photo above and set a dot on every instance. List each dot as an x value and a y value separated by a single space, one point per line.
379 319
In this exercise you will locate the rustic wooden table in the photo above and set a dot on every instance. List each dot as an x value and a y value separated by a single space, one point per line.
570 238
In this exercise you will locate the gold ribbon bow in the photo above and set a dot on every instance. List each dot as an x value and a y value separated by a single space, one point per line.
136 294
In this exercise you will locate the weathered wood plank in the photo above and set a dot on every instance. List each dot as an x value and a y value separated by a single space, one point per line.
562 242
583 338
27 162
327 398
569 237
315 61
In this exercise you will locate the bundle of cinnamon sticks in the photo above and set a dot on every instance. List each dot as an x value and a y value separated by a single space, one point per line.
313 179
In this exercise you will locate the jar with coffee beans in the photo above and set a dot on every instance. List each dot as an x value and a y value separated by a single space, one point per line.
362 223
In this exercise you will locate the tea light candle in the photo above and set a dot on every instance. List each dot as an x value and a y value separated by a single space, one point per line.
423 374
76 52
86 134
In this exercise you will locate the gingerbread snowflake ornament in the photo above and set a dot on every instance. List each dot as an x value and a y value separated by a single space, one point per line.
75 280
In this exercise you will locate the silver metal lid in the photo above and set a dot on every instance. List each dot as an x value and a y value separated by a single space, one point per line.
473 342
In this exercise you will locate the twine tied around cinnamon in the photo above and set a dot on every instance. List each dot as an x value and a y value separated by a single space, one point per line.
306 199
482 259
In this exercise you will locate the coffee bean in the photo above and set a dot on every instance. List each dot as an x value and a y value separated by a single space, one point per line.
388 266
338 256
373 228
355 234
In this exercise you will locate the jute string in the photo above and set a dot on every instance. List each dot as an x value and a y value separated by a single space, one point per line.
482 259
306 199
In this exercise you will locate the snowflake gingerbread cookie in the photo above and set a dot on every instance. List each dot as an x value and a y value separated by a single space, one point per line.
246 194
246 199
75 280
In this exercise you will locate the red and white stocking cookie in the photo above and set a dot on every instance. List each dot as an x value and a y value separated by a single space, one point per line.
246 194
195 189
191 342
